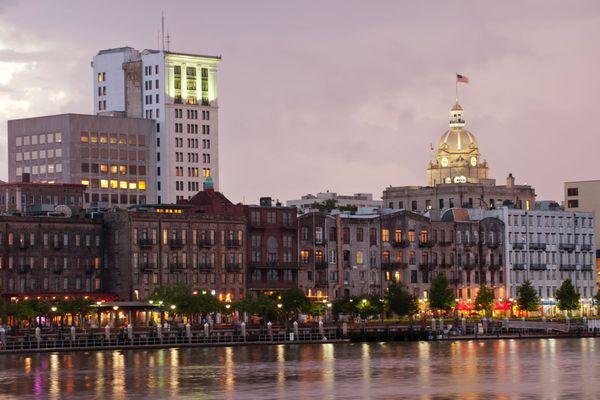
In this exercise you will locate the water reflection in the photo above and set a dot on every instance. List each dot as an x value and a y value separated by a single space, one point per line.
565 368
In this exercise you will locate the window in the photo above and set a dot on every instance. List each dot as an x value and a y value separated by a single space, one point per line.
573 192
411 236
573 203
385 235
359 257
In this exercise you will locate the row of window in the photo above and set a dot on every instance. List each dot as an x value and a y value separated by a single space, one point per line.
112 138
550 221
50 239
55 137
115 169
271 217
23 285
552 258
180 236
114 184
41 154
39 169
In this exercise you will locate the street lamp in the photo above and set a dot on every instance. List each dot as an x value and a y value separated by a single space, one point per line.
279 305
173 306
228 306
53 309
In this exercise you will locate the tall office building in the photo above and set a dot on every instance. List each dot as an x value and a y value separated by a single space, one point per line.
179 92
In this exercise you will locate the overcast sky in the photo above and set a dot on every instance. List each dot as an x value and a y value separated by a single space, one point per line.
342 95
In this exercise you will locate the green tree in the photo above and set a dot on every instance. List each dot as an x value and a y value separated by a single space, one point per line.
294 302
342 306
367 305
527 297
401 302
484 301
596 299
441 296
567 296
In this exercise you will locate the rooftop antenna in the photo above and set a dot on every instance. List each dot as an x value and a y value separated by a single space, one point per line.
168 41
162 30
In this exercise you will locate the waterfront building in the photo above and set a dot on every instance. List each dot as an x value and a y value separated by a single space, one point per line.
358 200
547 247
198 243
272 249
178 92
458 177
39 198
113 157
52 257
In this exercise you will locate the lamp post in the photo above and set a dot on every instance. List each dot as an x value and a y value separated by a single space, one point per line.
53 309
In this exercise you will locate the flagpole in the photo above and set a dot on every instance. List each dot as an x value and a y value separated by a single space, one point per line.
456 86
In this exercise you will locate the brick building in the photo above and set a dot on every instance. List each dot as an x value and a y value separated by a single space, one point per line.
52 256
199 243
272 249
35 198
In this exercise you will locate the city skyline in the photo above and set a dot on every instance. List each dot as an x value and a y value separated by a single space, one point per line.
295 91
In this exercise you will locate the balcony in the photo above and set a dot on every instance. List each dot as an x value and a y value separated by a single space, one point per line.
205 266
400 244
57 270
146 267
175 266
232 243
470 265
537 246
175 243
24 269
468 244
518 267
426 244
494 267
589 267
537 267
56 246
586 247
90 269
493 245
145 243
426 266
233 267
566 246
392 265
444 264
256 224
321 264
567 267
288 225
444 243
321 242
205 243
23 245
278 284
518 246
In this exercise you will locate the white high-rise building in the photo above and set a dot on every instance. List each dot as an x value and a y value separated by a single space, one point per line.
179 92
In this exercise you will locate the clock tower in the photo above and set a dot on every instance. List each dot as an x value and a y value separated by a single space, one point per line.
457 159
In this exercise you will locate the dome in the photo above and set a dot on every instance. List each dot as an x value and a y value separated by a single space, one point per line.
458 140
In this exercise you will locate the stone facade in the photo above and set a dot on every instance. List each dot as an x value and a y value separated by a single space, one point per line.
52 257
37 198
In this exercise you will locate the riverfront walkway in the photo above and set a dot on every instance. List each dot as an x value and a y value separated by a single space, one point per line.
72 339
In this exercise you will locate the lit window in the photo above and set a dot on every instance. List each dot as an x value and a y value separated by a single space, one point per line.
104 168
113 169
104 183
85 137
85 182
385 235
122 169
103 138
359 257
114 184
58 137
132 185
123 184
142 185
100 77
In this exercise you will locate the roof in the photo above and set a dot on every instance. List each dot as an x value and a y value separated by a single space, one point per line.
456 215
115 50
36 184
153 51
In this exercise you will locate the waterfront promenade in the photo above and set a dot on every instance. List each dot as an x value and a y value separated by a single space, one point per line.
72 339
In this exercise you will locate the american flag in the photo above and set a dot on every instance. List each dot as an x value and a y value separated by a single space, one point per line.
462 78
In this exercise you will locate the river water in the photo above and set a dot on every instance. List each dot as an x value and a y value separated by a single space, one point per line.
497 369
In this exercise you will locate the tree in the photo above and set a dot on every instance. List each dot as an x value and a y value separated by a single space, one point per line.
484 301
596 299
401 302
527 297
294 301
567 296
441 296
367 305
342 306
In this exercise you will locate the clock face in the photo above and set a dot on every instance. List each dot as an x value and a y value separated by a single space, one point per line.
473 161
444 162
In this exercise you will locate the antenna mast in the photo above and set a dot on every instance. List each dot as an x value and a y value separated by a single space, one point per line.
162 31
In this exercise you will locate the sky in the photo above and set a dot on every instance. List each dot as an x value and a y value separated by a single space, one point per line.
345 95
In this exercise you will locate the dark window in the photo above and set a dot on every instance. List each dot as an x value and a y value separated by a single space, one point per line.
413 205
573 192
573 203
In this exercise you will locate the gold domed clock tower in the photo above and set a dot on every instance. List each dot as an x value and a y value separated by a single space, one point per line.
457 159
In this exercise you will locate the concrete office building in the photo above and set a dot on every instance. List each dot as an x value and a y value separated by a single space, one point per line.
178 92
112 156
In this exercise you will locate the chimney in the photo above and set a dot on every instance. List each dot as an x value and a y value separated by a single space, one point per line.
510 181
26 178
